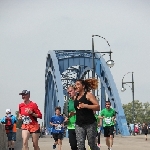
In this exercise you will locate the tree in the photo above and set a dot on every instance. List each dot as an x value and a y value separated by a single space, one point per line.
19 122
141 111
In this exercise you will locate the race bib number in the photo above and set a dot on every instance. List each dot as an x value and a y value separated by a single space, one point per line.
107 120
58 127
26 120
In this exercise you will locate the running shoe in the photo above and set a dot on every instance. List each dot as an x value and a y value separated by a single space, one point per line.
54 146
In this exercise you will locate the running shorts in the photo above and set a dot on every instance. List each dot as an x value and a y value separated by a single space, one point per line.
32 128
108 130
57 136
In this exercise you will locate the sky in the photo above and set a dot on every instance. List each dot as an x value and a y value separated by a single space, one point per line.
29 29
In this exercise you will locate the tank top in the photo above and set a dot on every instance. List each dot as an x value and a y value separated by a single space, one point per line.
84 116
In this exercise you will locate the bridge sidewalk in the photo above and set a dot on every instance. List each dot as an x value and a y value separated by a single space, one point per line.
120 143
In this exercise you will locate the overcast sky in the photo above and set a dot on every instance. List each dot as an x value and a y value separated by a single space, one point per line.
29 29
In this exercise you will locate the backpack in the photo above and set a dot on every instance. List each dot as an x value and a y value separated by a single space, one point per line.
8 123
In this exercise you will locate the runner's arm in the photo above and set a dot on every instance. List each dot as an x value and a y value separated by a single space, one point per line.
19 117
37 113
15 119
3 121
114 115
92 98
52 122
66 119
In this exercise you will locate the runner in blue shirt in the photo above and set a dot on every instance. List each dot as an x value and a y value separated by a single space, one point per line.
57 123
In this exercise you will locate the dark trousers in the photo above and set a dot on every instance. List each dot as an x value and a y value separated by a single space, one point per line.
72 139
99 133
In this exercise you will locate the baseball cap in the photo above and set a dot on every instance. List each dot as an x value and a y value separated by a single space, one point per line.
8 110
24 92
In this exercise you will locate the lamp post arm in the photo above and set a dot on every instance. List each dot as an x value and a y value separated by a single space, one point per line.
103 38
127 85
125 75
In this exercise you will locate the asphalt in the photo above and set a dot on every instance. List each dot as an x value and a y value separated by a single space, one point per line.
120 143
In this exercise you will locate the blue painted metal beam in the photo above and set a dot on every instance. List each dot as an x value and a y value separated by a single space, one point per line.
60 60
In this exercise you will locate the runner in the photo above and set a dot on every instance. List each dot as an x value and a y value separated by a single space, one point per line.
98 129
145 130
10 126
85 103
57 122
72 118
29 112
108 115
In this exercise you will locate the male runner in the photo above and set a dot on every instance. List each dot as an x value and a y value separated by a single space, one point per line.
108 116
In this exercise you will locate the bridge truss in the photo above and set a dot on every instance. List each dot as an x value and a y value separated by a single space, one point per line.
63 67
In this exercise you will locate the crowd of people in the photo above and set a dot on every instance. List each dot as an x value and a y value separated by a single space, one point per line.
82 121
139 128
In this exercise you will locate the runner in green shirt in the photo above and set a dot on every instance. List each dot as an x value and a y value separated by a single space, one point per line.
108 116
71 118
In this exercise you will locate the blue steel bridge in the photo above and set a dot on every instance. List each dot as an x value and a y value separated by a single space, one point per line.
64 67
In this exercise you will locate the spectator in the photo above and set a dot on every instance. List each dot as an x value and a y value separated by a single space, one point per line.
10 126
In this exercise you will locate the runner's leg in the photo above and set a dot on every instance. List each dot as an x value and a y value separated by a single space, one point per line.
25 137
91 135
111 130
13 140
99 137
80 136
107 136
35 139
72 139
60 137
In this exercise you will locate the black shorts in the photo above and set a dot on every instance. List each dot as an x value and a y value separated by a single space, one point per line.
108 131
57 136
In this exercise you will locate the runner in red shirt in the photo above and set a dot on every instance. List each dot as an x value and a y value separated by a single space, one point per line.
29 112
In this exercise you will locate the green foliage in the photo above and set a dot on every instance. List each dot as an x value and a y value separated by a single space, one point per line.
141 111
19 122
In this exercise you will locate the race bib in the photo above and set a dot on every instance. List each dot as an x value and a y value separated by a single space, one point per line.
107 120
26 120
58 127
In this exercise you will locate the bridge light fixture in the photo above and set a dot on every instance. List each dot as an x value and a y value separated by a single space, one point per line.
110 63
123 89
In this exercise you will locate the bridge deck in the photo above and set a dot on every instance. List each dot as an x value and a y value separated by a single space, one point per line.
120 143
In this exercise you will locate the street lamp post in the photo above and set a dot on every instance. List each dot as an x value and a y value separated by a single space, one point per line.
123 89
110 62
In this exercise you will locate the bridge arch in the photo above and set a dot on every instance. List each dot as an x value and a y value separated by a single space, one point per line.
59 61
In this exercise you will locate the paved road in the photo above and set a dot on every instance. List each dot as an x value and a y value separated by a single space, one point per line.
120 143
